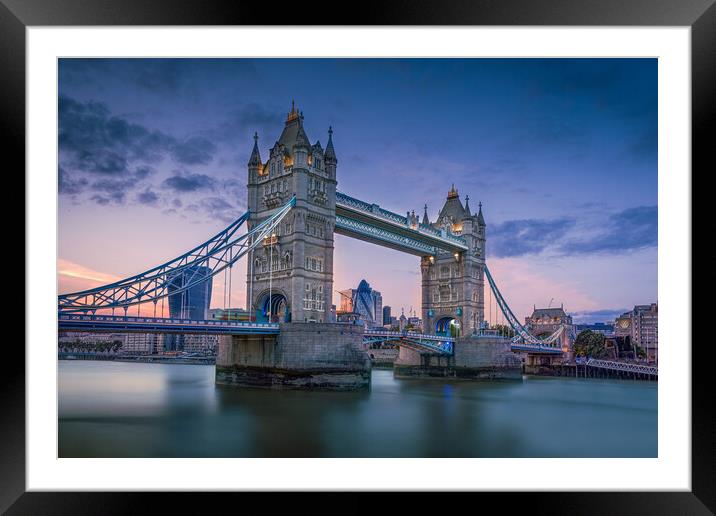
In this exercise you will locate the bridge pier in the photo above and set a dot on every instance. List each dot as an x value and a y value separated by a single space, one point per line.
303 356
474 358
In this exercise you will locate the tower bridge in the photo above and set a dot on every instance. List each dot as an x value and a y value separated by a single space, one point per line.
294 209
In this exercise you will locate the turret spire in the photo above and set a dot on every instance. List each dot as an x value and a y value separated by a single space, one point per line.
293 114
426 221
330 151
452 193
480 218
467 206
255 159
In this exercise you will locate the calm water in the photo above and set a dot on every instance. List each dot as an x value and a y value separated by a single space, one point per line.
114 409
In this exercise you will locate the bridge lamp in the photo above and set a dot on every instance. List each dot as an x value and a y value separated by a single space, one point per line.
457 257
432 259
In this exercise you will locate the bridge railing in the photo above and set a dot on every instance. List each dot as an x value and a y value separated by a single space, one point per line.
629 367
163 321
413 335
377 211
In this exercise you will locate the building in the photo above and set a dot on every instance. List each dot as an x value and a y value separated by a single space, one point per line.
641 325
365 302
202 344
402 320
192 303
143 343
622 325
290 277
453 283
387 319
604 328
545 321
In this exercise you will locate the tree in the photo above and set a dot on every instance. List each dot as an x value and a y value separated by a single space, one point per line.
504 330
590 344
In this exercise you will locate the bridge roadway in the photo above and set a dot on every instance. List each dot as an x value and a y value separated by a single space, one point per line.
121 324
371 223
440 344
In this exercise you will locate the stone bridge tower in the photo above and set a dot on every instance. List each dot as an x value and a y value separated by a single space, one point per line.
290 277
453 285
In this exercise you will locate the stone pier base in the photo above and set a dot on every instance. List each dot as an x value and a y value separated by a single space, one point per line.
304 356
474 358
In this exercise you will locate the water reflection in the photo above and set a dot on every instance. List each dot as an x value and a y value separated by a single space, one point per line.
112 409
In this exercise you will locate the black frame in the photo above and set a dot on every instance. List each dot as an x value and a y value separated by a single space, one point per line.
700 15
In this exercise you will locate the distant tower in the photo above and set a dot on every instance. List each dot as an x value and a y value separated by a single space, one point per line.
453 287
290 276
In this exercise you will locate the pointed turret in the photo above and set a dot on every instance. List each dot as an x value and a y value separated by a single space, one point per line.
453 210
293 134
330 151
480 218
255 159
293 114
467 206
426 221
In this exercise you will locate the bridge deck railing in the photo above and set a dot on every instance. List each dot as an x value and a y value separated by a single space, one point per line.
377 211
629 367
163 320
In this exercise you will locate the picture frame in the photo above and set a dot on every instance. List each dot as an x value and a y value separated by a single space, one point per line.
17 15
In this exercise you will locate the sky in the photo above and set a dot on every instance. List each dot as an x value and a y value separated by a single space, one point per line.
562 153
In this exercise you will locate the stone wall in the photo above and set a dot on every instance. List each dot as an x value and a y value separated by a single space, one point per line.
314 355
477 358
383 358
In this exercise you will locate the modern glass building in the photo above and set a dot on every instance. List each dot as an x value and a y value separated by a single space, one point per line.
192 303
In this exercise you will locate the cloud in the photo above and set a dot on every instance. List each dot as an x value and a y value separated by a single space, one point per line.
595 316
74 277
523 284
529 236
218 208
92 140
628 230
148 197
196 150
100 199
67 185
143 172
112 190
95 143
241 123
182 182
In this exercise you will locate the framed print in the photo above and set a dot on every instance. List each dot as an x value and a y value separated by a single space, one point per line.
421 252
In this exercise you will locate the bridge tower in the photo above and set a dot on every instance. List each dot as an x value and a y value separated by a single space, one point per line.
453 285
290 276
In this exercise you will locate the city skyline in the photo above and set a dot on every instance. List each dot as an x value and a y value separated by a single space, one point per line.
561 152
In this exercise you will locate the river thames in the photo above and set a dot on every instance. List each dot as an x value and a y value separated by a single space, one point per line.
120 409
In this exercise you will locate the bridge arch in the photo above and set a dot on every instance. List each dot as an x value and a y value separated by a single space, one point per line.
448 326
276 304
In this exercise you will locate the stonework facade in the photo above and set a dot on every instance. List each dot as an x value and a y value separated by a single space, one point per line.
290 277
453 285
545 321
